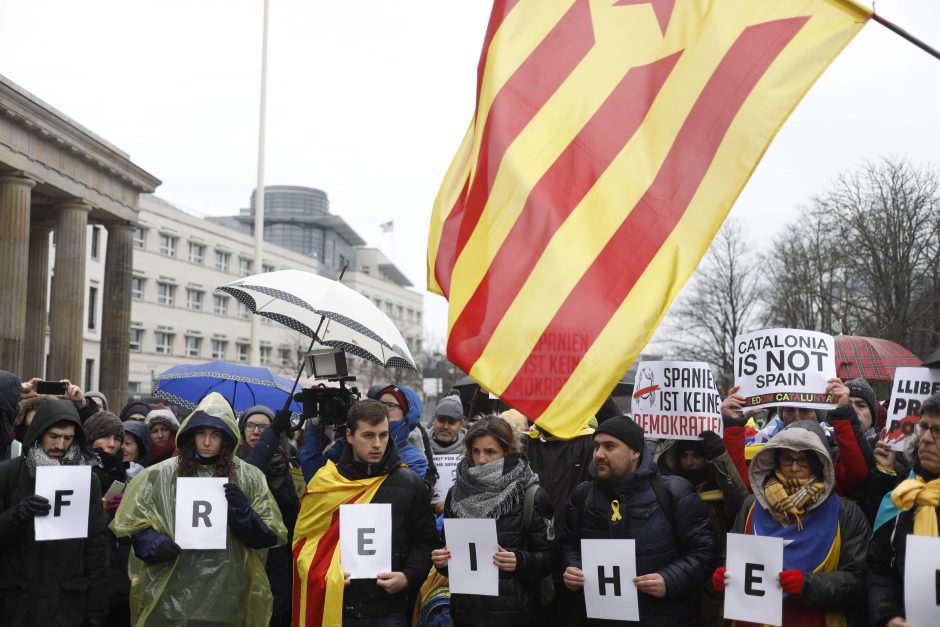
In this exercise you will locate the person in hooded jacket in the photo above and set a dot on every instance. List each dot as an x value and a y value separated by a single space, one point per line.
135 410
58 582
676 543
492 481
163 427
265 446
136 447
825 535
171 587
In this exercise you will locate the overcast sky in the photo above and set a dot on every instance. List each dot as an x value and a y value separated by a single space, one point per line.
368 100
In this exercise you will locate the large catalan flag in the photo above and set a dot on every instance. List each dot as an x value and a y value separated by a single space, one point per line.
609 142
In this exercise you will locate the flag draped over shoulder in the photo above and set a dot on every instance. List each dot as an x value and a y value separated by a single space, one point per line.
609 141
318 574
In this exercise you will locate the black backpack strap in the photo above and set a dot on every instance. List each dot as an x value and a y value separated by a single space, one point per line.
431 476
528 507
662 495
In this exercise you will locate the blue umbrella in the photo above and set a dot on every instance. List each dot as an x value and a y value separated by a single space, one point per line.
242 386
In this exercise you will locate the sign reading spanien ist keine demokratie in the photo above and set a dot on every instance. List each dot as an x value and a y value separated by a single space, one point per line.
676 399
784 367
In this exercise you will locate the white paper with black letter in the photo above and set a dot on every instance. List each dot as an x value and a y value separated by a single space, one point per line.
365 539
753 593
68 489
922 581
201 513
472 543
609 568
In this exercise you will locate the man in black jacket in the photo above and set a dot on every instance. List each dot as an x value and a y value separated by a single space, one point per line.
676 543
370 458
57 582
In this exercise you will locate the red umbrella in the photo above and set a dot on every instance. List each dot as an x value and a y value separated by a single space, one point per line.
870 357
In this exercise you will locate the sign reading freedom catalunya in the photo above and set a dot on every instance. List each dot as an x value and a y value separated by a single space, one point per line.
676 399
910 388
784 366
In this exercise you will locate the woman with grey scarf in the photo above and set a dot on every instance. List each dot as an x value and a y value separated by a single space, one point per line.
492 481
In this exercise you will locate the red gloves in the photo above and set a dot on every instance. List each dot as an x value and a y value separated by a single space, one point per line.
718 579
791 581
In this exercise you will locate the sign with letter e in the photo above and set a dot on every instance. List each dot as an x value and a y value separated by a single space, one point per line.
68 489
752 593
472 543
201 513
609 567
922 581
365 539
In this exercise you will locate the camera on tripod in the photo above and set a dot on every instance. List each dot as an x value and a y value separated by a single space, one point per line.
327 405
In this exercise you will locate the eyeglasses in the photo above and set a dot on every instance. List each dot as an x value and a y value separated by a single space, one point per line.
788 460
391 405
923 428
254 426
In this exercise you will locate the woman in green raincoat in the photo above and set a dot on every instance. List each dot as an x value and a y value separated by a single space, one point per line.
200 587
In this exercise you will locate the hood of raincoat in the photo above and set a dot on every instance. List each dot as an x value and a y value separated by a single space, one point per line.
51 412
796 437
400 429
213 411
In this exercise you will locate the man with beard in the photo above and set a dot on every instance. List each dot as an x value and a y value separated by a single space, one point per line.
57 582
447 434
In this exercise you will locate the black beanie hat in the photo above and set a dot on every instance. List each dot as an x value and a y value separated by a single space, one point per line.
624 429
861 389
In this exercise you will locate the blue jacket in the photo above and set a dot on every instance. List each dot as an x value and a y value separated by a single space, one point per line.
312 459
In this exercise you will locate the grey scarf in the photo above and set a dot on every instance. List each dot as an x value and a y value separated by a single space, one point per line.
74 456
485 492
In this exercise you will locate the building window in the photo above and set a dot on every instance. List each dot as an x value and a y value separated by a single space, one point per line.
418 317
196 252
243 313
165 293
137 288
139 237
193 346
133 387
137 337
265 355
265 267
95 241
401 312
283 356
92 307
388 309
411 315
242 351
365 269
89 374
194 300
164 343
378 303
167 245
218 349
244 266
219 305
221 261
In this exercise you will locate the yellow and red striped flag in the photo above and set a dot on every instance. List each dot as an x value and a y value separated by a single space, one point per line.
610 139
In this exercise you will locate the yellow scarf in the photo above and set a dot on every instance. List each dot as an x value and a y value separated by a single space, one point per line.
924 494
318 574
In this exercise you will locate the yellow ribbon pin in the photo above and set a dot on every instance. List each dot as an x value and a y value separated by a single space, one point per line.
615 507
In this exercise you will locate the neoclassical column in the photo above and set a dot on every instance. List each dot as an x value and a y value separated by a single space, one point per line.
37 294
116 314
15 194
68 293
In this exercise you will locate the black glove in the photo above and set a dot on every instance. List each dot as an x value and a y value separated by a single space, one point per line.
235 497
731 421
94 622
165 551
30 507
281 422
712 444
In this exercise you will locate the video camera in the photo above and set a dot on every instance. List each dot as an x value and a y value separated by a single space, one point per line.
327 405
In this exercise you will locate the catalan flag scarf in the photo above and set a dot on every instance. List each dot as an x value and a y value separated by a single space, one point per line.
926 496
318 575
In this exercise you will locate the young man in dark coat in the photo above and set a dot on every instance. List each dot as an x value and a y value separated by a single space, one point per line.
58 582
675 550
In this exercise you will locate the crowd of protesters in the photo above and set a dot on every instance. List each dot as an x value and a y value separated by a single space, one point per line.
842 501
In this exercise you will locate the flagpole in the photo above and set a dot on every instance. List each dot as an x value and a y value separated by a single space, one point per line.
894 28
255 356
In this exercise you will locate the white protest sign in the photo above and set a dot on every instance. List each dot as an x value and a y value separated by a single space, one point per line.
784 367
201 513
365 539
609 568
446 475
910 388
676 399
68 490
922 581
752 593
472 544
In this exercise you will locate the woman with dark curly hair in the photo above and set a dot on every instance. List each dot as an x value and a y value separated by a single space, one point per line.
222 587
494 480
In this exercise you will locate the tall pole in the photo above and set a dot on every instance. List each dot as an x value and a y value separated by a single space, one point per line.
255 358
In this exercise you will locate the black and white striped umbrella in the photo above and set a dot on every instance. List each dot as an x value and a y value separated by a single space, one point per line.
352 322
